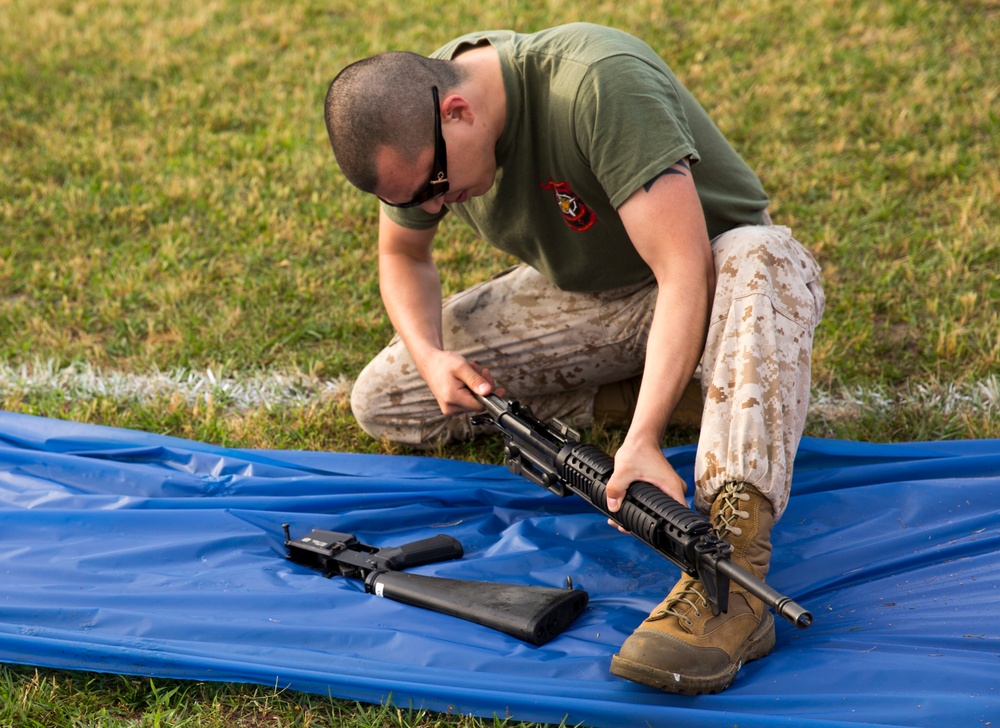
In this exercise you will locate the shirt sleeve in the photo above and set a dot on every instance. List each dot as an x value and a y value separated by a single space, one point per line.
413 217
630 124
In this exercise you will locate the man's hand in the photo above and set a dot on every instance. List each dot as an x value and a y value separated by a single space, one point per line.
646 464
452 380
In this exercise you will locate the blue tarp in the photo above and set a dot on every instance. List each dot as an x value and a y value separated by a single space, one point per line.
135 553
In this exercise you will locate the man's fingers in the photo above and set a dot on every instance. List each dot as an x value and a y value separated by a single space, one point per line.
478 379
618 526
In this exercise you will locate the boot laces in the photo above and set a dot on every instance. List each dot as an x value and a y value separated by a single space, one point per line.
690 598
729 515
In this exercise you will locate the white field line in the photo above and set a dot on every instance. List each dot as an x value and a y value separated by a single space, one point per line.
976 397
242 392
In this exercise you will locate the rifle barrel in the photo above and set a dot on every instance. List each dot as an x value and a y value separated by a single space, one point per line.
782 605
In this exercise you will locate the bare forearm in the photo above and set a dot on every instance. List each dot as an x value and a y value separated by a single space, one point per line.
411 292
676 340
667 227
410 285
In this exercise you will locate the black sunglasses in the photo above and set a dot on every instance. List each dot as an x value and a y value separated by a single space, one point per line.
437 185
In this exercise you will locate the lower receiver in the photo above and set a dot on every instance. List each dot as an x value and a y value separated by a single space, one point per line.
533 614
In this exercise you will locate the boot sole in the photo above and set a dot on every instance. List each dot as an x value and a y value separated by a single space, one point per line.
759 645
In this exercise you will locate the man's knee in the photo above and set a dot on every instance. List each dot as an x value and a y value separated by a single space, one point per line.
364 406
768 261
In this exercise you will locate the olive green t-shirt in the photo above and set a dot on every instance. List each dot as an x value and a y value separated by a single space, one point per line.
593 114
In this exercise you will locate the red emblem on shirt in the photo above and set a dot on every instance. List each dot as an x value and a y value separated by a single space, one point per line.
574 210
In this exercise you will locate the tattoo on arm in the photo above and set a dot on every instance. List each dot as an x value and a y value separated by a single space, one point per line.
681 167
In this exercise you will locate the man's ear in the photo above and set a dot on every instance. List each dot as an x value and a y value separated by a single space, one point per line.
456 108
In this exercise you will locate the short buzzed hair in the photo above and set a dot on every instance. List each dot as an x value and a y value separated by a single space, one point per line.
384 100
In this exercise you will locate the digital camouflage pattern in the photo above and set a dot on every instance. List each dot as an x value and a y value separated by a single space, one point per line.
553 349
756 364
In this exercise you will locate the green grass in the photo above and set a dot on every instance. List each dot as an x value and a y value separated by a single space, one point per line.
168 200
52 699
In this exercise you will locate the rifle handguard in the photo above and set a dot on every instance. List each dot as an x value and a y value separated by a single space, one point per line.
552 456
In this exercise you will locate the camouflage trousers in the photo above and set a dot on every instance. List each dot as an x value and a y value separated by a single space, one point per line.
553 349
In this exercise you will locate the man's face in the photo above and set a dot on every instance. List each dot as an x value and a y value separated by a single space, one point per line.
469 163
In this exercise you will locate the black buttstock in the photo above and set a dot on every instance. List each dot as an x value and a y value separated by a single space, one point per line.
533 614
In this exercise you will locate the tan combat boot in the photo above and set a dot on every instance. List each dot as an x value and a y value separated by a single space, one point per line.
682 647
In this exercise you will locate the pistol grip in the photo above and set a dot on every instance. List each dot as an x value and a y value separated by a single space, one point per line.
426 551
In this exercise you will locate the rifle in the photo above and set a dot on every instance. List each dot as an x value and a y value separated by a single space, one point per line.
534 614
554 458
